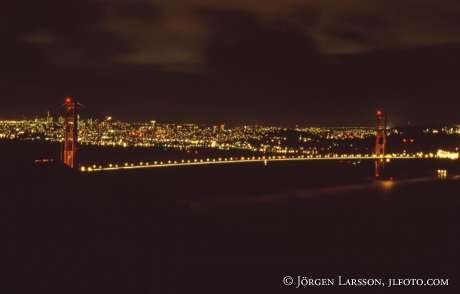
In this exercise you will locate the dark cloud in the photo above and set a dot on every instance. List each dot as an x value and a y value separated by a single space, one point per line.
140 11
228 20
351 36
363 21
305 16
59 16
422 22
88 47
361 29
68 28
240 41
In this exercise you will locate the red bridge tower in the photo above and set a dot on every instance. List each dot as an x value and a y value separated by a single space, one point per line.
380 144
69 155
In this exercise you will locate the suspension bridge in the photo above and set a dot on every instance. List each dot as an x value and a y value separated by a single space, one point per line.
69 154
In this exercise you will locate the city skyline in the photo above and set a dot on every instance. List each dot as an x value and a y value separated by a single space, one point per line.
58 117
268 63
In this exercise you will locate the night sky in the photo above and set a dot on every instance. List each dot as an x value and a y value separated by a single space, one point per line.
240 62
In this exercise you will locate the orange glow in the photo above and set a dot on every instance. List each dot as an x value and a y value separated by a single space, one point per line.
412 140
68 100
379 112
404 140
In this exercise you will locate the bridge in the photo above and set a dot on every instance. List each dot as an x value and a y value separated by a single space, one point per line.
381 159
261 159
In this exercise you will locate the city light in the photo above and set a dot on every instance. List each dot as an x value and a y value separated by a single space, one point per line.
274 142
447 154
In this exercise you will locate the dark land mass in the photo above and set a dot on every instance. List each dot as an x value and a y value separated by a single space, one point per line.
231 228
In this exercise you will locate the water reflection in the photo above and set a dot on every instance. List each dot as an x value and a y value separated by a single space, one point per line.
387 186
369 187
